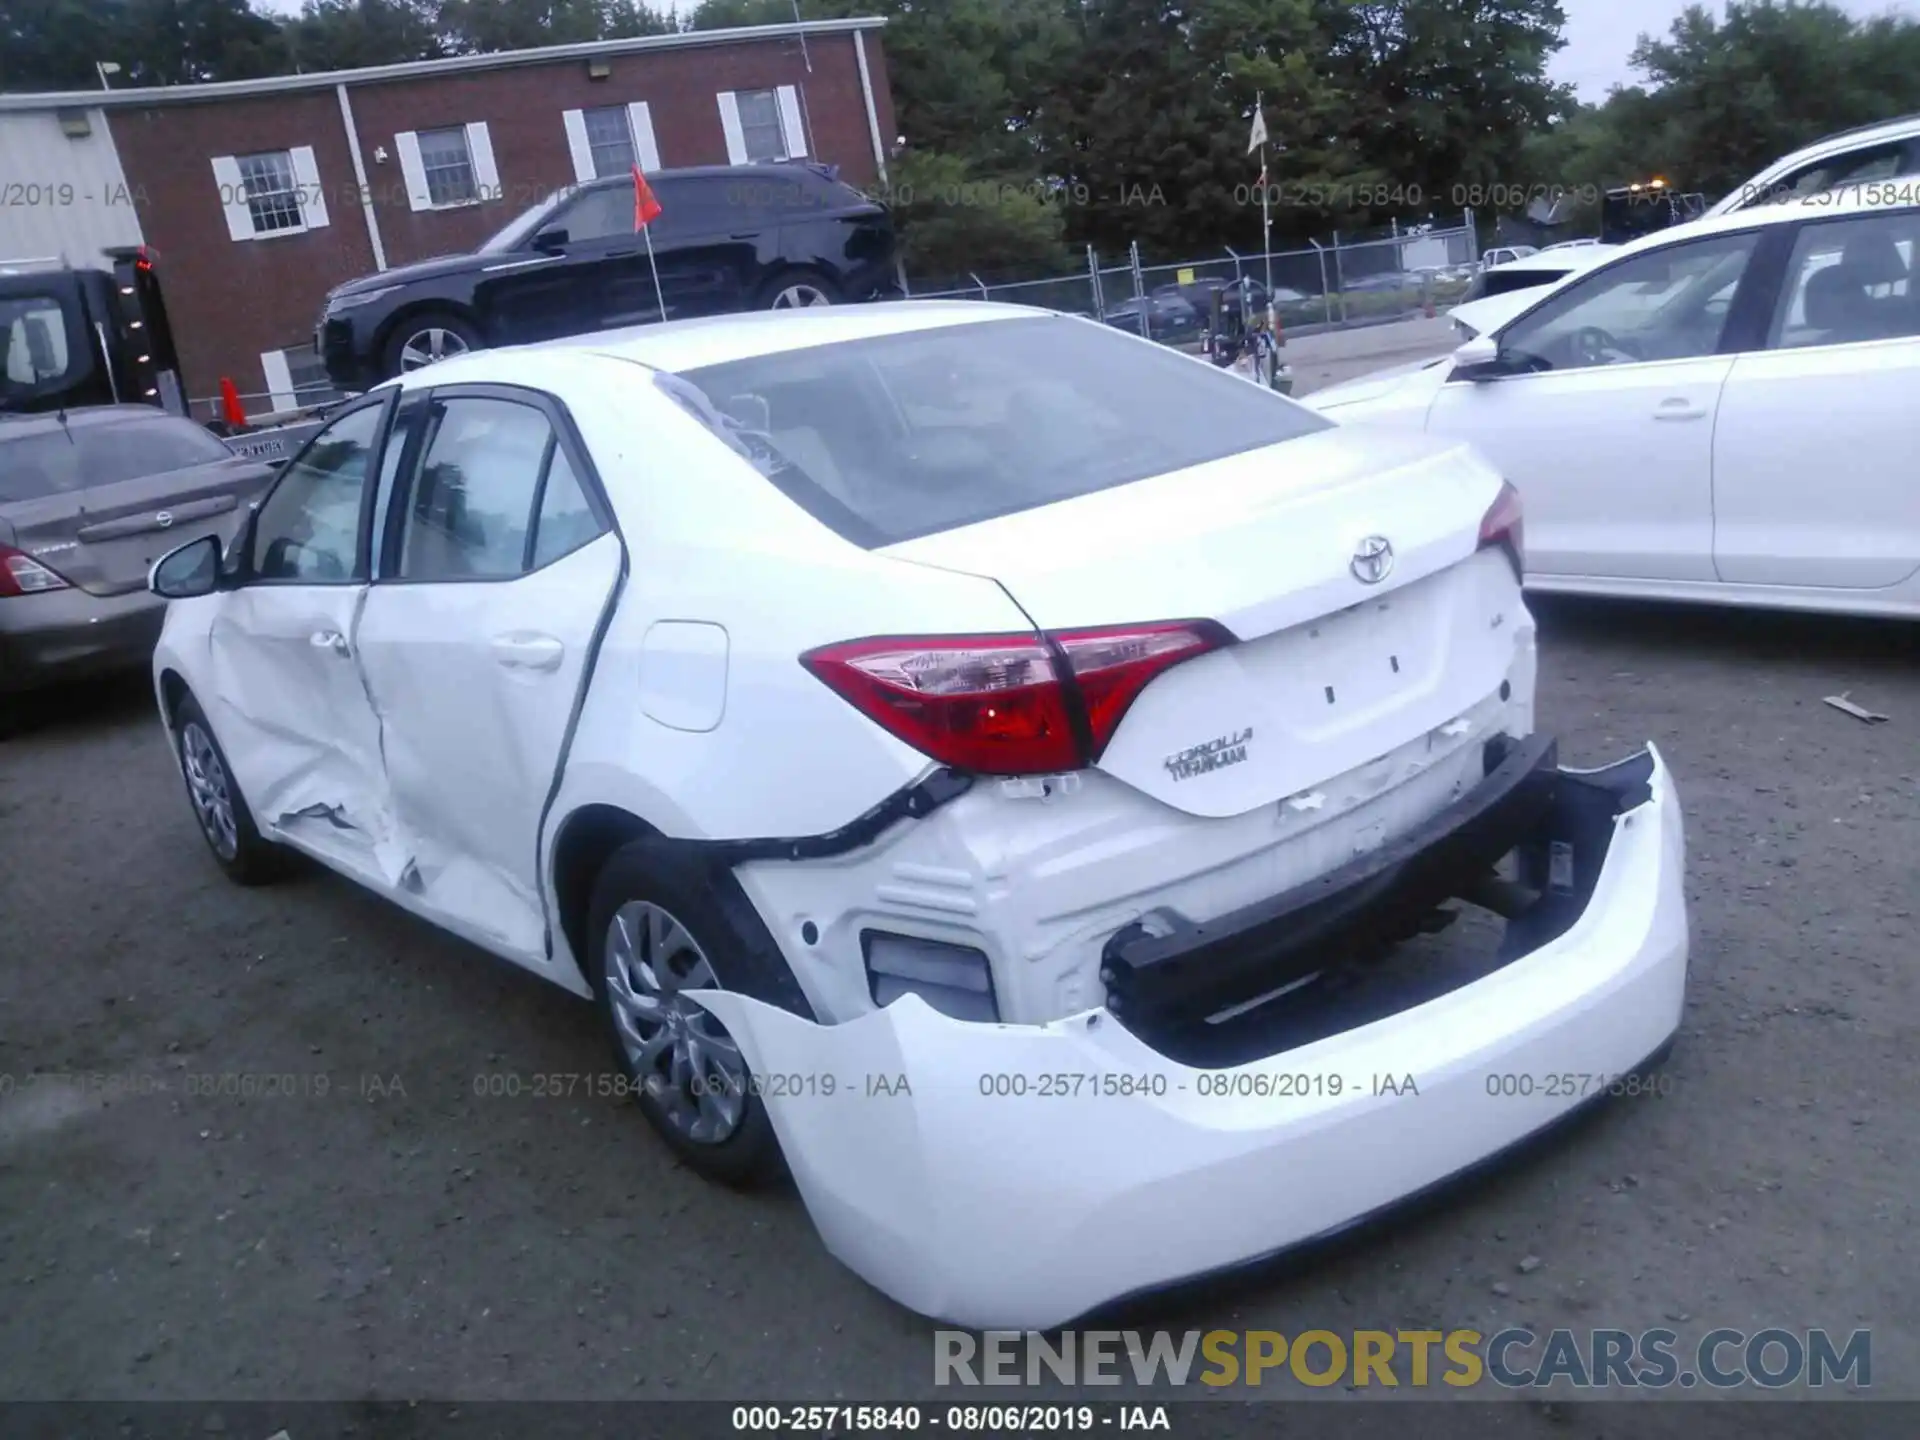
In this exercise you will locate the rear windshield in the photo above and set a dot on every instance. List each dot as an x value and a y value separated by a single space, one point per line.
898 436
51 461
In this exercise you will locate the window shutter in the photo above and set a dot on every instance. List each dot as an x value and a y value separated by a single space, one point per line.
306 181
486 178
730 123
577 144
233 196
645 150
407 144
793 126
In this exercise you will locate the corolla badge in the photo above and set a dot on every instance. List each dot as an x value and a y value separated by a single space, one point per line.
1216 754
1372 560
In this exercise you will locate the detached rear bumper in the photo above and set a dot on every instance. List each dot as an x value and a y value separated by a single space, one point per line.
1017 1177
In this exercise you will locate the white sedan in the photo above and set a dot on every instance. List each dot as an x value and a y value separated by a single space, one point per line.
973 755
1727 411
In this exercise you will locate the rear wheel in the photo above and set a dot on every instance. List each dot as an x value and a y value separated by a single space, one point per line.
428 338
657 931
225 821
798 290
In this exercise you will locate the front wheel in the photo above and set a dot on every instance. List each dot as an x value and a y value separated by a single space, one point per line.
428 338
657 931
225 821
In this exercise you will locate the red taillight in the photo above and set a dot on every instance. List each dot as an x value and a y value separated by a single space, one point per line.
996 704
1504 525
21 574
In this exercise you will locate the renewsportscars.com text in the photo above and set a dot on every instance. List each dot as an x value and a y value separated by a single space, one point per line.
1514 1358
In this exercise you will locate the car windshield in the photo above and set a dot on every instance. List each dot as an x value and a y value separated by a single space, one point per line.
898 436
55 461
515 234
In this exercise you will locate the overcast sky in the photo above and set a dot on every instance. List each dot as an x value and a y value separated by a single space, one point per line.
1600 34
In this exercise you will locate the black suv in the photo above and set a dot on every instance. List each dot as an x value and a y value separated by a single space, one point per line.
728 238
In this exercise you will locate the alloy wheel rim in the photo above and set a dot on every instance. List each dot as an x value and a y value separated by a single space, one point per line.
800 297
212 793
430 347
683 1058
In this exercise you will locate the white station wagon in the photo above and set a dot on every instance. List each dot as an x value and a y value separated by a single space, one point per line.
977 758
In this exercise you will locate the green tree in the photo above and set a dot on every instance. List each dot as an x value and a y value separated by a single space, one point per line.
953 221
348 34
53 44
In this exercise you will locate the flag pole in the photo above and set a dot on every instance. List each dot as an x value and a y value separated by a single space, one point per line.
659 295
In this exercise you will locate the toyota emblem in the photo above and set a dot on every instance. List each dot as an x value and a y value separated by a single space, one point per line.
163 519
1372 560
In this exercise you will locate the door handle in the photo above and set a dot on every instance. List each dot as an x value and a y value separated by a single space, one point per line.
522 651
1678 409
329 640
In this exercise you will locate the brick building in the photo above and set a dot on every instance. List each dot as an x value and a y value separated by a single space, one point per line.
260 196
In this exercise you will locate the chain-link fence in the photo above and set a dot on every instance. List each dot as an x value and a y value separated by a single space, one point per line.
1349 280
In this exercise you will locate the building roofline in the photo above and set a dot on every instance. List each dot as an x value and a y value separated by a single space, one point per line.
453 65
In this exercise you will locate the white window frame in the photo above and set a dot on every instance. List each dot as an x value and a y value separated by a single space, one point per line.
646 150
793 125
413 170
231 189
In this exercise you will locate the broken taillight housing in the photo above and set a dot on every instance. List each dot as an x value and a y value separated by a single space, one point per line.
1504 525
1030 704
21 574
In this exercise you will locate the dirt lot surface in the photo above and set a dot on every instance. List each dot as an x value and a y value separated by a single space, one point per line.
379 1229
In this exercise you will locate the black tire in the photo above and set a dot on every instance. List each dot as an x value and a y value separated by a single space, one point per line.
249 859
421 322
709 906
802 277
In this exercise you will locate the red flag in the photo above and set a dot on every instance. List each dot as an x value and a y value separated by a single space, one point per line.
645 208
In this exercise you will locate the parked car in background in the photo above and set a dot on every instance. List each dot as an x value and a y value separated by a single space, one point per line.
1170 317
1724 411
1506 254
728 238
903 695
1532 272
1868 155
88 501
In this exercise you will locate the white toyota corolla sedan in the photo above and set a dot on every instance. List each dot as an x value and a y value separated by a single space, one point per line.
1728 411
977 758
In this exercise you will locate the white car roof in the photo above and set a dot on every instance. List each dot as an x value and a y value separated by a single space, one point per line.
714 340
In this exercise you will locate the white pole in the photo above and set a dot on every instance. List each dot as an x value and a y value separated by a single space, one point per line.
659 295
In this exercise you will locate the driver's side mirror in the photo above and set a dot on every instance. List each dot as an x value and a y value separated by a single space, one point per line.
1478 359
551 240
191 570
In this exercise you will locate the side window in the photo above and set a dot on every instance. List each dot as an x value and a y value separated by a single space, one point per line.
1849 281
309 526
1667 304
599 214
566 520
1857 167
472 499
707 205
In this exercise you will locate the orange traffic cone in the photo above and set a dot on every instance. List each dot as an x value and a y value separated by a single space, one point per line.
230 403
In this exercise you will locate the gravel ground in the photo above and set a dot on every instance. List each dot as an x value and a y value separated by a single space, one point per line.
401 1235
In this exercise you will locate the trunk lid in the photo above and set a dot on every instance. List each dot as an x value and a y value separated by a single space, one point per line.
1331 672
103 537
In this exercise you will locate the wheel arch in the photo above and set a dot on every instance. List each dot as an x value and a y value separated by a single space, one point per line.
586 839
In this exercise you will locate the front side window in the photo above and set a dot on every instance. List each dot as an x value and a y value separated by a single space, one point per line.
471 507
273 195
760 126
1856 167
895 436
610 138
309 526
447 164
1667 304
33 332
1850 281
